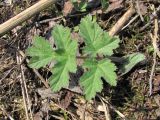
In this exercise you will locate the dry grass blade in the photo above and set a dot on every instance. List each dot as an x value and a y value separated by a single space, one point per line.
27 102
5 112
52 105
106 109
23 90
138 10
56 117
154 38
152 73
26 91
113 108
130 22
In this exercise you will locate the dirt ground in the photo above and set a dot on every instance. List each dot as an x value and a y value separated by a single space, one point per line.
23 94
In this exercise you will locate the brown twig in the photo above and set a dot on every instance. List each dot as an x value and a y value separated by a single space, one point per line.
25 15
131 21
139 11
26 90
120 23
154 38
23 90
152 73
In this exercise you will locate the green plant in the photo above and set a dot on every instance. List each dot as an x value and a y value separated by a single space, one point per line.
105 4
79 6
98 44
82 5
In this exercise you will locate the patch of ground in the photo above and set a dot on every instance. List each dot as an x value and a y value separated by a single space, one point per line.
19 83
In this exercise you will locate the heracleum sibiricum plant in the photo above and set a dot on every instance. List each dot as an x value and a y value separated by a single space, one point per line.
97 43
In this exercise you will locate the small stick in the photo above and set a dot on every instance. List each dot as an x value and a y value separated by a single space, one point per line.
51 19
26 90
139 11
25 15
130 22
40 77
120 23
23 92
106 109
113 108
152 73
154 38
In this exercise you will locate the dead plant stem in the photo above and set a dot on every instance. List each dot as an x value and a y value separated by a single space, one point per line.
23 91
25 15
154 38
120 23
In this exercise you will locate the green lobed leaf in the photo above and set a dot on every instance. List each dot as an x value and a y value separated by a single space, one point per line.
97 41
62 36
41 52
38 62
65 57
91 80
